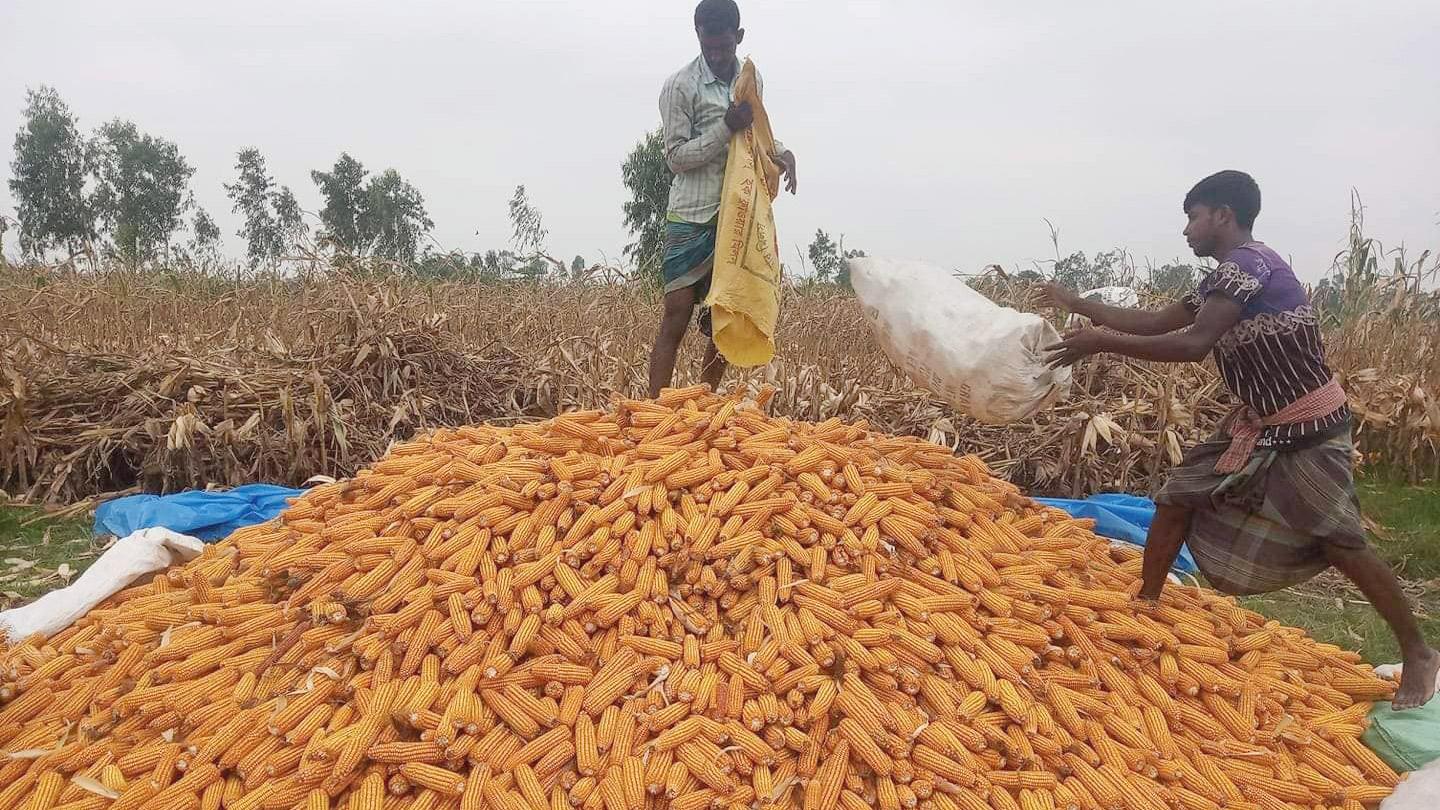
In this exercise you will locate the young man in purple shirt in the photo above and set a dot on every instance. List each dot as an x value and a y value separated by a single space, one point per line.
1270 501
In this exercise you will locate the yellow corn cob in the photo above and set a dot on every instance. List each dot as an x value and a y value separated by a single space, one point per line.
434 778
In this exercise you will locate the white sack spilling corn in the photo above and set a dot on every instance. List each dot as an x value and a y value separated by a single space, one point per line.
984 359
678 604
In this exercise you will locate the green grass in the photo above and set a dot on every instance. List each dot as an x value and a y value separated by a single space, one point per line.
33 548
1406 532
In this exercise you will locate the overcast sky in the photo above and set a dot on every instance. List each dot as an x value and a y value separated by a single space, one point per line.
939 130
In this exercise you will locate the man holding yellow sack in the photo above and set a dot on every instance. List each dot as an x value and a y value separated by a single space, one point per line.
703 108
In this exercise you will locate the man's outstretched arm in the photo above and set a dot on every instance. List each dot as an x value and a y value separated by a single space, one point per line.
1172 318
1217 316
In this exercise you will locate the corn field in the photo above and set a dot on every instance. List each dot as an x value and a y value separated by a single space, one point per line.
120 382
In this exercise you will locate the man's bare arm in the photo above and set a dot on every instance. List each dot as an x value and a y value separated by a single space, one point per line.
1217 316
1144 322
1121 319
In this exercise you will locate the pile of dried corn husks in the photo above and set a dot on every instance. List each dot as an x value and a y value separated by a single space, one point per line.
682 604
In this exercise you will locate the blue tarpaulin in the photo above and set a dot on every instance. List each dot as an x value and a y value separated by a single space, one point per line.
213 516
1120 517
209 516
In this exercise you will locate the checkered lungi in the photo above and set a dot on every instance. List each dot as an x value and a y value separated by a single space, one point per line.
689 261
1266 527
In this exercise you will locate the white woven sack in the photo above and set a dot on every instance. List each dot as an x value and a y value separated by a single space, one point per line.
984 359
144 552
1420 790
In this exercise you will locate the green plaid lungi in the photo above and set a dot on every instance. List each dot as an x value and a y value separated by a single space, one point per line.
689 260
1266 527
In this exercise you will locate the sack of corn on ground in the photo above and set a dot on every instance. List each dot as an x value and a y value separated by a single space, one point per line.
678 604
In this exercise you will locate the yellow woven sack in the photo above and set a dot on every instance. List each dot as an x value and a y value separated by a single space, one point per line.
745 288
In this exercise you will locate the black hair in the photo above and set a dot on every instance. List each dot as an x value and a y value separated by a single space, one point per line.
1237 190
717 16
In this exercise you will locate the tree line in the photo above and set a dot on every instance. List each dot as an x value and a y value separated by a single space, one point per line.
125 194
129 185
128 193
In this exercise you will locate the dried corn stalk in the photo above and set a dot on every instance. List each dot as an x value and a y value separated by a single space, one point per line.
681 604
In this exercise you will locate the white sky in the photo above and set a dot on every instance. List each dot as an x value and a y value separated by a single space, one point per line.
929 129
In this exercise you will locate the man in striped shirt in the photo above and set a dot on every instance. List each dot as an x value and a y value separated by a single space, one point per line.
1270 501
698 117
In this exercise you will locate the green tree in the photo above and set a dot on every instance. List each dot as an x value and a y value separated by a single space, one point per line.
251 195
528 230
824 257
1175 279
647 177
274 221
289 218
204 243
531 268
842 276
384 217
578 267
1329 296
1082 273
342 216
831 260
140 194
490 266
498 264
528 236
48 177
393 219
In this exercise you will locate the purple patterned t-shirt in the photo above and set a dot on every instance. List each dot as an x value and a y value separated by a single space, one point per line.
1274 355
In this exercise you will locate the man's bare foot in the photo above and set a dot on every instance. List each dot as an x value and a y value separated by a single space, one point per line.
1419 679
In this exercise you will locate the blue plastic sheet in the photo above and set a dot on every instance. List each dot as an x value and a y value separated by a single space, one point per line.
212 516
1120 517
209 516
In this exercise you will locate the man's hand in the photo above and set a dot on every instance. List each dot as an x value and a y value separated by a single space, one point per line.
1076 346
739 116
786 162
1054 294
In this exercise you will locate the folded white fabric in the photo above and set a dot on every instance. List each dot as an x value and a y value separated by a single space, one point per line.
138 554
